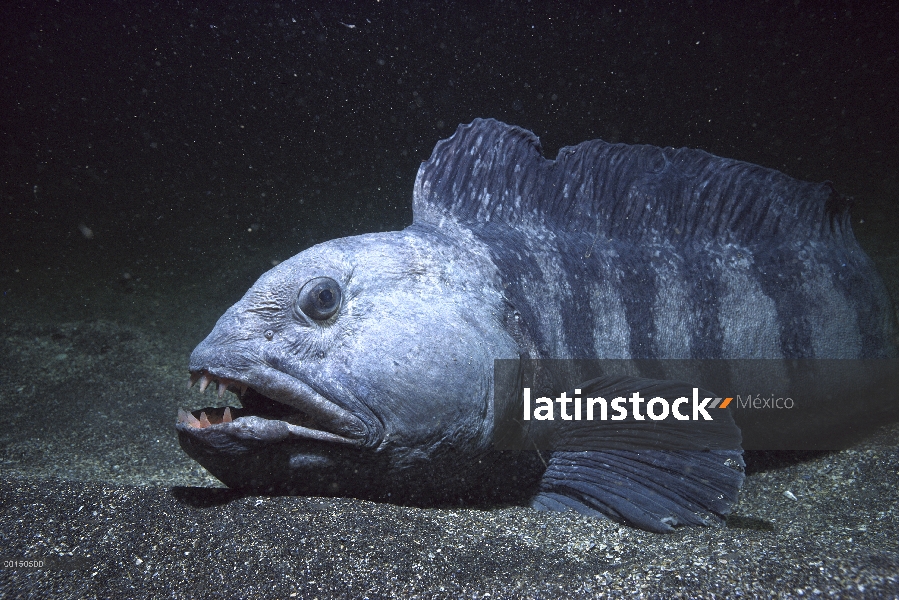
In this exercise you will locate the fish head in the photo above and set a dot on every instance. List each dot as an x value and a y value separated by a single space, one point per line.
359 361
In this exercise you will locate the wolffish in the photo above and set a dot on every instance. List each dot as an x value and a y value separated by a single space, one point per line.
365 365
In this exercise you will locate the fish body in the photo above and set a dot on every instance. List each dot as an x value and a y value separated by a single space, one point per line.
366 364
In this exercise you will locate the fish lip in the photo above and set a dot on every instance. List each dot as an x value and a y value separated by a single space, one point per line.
332 422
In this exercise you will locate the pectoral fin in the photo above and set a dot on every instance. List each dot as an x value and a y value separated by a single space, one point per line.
650 474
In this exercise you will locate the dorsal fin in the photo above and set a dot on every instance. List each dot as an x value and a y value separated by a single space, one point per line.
490 171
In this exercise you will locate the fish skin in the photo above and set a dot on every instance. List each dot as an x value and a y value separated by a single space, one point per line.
610 251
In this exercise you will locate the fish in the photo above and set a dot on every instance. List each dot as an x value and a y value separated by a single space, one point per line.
365 365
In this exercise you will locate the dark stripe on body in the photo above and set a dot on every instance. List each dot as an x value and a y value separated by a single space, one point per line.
704 292
512 256
638 289
577 312
779 274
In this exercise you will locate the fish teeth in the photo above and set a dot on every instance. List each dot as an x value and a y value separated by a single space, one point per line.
222 383
194 377
204 420
186 417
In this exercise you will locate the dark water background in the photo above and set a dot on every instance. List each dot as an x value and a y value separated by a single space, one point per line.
191 138
156 158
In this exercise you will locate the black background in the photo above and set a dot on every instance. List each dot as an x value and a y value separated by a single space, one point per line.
185 134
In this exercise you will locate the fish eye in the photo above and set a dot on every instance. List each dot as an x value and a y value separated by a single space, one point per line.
319 298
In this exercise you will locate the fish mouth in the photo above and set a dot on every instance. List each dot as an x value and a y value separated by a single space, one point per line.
275 407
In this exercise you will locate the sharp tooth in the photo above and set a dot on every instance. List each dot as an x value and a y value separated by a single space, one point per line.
186 417
226 418
194 377
205 380
243 390
223 385
204 420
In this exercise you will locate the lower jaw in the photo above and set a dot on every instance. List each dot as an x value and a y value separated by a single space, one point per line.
308 468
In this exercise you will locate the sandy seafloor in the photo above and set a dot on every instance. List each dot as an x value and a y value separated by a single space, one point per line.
94 369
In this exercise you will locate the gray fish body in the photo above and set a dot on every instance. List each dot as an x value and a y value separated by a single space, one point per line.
618 251
369 360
